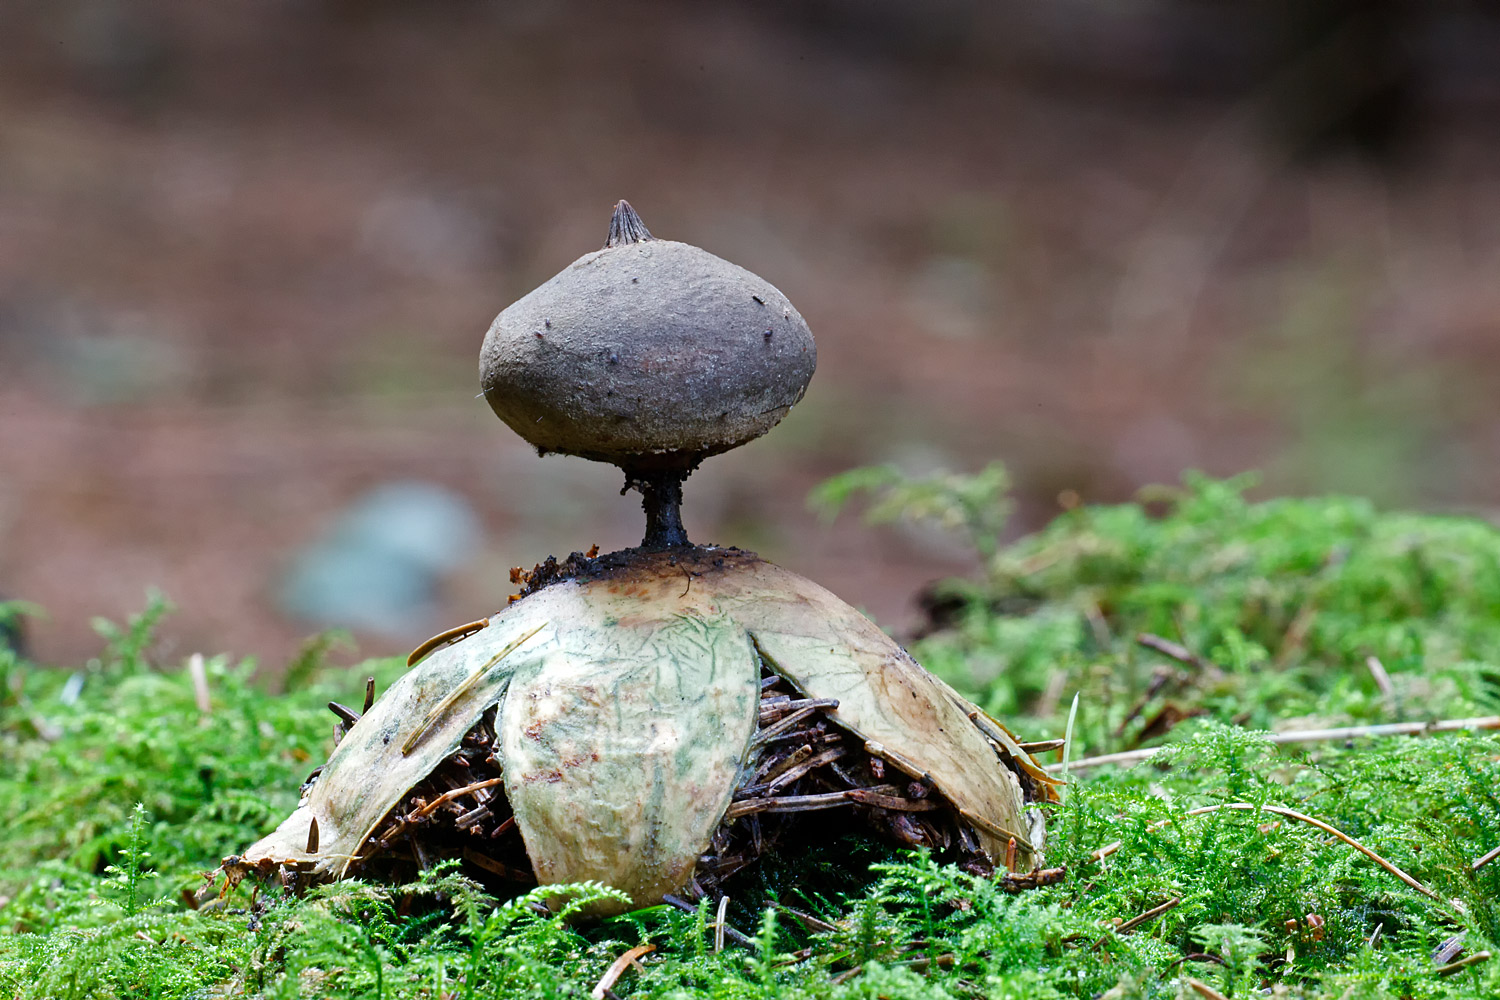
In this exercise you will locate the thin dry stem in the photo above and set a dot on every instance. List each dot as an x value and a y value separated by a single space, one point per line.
1326 828
617 969
442 639
458 692
1111 848
1167 647
1463 963
1139 919
1477 724
1382 677
720 923
199 674
1486 859
1150 914
454 794
1204 990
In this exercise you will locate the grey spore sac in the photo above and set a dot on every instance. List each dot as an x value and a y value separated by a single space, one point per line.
648 354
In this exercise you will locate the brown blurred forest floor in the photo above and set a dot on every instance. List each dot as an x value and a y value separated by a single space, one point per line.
245 268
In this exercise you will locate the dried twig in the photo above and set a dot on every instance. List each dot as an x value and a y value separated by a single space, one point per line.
1477 724
803 803
459 691
791 774
1204 990
994 829
1021 881
454 794
199 674
1449 949
617 969
1149 915
900 763
770 733
809 921
489 864
348 715
444 639
1382 678
1463 963
1486 859
1136 921
872 797
720 923
1167 647
774 708
1159 678
1109 849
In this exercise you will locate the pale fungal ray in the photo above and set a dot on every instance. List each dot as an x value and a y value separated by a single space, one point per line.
463 689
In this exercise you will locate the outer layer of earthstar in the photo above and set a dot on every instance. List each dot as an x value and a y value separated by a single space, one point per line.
634 718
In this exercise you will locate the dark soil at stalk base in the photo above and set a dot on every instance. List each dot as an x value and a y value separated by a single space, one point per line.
800 762
586 566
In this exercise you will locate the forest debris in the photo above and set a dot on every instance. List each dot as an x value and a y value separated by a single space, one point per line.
824 713
721 922
1476 724
617 969
1204 990
440 640
1463 963
459 691
1149 915
1022 881
1176 651
1382 679
1450 948
801 760
1136 921
1108 849
199 674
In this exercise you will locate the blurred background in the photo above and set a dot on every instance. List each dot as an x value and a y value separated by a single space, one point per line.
249 249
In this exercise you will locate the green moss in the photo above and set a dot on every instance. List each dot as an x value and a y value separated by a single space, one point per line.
1283 602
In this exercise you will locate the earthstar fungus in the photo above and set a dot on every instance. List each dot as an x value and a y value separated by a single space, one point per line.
655 718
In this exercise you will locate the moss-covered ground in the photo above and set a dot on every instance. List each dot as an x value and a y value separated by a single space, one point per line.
1194 619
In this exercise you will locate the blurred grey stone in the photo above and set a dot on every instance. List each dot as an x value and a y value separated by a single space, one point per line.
378 567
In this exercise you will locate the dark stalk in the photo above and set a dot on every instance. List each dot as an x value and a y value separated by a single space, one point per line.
661 497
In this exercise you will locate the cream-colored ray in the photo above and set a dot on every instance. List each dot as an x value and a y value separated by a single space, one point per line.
463 688
830 650
367 773
622 744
